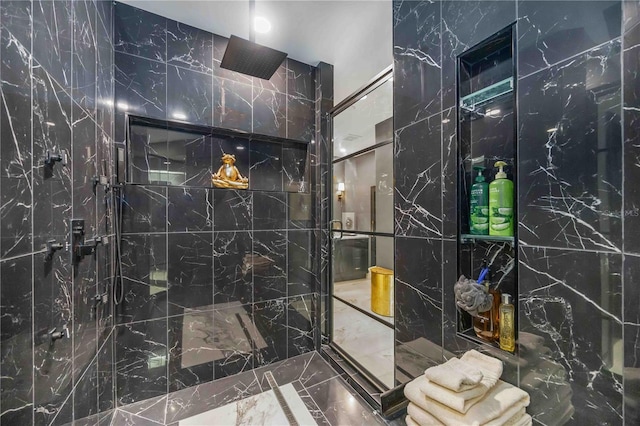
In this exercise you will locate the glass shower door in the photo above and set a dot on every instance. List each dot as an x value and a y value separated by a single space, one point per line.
362 238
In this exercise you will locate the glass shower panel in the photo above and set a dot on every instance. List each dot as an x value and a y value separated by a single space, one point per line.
362 321
363 302
365 202
365 123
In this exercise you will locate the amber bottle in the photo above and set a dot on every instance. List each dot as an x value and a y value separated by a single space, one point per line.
487 324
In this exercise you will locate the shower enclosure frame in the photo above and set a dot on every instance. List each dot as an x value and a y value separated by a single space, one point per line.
372 389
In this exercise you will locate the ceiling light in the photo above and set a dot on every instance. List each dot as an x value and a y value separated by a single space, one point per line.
492 112
240 148
261 25
50 123
123 106
179 116
342 150
551 130
445 120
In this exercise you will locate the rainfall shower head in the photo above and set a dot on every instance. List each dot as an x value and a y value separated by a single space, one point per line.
250 58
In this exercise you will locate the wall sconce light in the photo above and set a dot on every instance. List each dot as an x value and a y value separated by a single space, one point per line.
340 192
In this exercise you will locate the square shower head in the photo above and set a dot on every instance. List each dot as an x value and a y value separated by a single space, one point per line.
250 58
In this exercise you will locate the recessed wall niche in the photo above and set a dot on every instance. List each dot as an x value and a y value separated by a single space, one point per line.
487 135
177 154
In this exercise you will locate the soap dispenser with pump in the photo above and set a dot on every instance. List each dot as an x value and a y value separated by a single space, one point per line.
501 203
507 324
479 205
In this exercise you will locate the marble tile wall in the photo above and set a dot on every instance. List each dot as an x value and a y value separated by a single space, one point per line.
578 305
216 281
56 91
320 168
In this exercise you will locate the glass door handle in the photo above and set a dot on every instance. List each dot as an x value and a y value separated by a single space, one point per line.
340 229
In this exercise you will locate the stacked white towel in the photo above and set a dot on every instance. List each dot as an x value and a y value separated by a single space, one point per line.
466 391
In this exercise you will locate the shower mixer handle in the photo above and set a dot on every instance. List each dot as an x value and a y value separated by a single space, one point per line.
51 158
52 246
80 246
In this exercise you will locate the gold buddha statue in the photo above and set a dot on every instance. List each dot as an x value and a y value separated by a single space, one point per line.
228 175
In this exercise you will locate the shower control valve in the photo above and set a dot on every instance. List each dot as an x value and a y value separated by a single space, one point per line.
51 158
100 180
80 246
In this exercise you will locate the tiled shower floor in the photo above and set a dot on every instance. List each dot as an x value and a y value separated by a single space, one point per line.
312 389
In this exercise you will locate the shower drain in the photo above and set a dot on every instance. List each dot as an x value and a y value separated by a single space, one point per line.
283 402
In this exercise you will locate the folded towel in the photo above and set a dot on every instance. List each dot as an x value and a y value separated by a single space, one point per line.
501 403
513 420
525 421
490 367
455 375
410 422
463 400
459 401
422 418
520 420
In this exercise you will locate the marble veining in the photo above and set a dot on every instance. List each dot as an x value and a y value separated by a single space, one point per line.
69 72
47 46
259 409
576 209
576 106
418 210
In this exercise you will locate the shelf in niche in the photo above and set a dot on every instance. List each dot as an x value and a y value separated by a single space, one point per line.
470 335
471 238
472 102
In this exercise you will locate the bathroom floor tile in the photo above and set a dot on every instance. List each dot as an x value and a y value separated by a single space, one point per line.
358 293
368 341
261 409
310 386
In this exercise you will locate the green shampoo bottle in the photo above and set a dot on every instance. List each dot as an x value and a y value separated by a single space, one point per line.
501 203
479 205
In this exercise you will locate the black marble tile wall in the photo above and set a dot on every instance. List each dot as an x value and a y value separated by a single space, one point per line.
300 214
166 69
56 67
233 259
577 159
562 206
231 275
631 204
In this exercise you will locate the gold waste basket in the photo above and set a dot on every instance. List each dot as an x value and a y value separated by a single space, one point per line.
381 291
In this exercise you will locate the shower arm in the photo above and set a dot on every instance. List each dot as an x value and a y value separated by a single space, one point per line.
252 17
